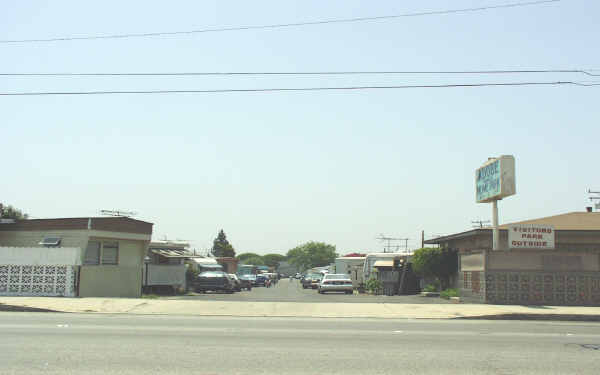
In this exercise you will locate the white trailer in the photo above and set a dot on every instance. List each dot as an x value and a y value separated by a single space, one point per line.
352 266
374 257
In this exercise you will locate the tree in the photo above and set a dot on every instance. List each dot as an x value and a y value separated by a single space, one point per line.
222 247
312 254
255 261
9 212
436 262
244 256
273 260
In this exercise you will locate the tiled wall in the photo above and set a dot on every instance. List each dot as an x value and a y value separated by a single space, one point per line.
543 288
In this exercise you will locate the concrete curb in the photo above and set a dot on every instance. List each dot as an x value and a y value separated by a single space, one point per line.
143 306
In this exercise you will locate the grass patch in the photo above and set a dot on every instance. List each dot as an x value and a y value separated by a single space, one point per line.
150 296
449 293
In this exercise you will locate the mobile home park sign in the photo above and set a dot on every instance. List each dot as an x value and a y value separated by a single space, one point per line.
531 236
495 179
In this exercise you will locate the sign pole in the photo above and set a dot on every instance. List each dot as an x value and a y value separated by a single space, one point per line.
496 231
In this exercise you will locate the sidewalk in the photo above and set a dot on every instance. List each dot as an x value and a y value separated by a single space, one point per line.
295 309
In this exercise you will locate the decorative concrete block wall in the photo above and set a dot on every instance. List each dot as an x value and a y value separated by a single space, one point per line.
543 288
37 280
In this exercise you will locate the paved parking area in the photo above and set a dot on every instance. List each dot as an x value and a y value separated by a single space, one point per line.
291 291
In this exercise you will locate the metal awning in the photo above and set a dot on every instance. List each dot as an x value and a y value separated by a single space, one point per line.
170 253
211 266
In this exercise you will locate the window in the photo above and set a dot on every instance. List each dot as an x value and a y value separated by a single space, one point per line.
92 253
110 252
106 252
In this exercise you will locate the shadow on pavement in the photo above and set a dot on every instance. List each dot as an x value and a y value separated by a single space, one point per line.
556 317
4 307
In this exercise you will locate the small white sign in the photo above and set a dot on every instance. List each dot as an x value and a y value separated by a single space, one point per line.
531 236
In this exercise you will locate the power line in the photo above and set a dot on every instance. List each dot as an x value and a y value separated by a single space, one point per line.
364 72
281 25
48 93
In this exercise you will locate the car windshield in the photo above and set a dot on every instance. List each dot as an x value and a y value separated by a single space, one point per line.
212 274
340 276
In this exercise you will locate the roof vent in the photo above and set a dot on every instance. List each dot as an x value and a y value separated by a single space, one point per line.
50 241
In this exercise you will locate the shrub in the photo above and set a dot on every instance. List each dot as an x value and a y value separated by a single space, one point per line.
449 293
436 262
374 285
430 288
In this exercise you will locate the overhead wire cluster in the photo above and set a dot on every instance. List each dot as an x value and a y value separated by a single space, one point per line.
406 73
278 25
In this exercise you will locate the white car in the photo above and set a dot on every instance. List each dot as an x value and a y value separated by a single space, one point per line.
335 282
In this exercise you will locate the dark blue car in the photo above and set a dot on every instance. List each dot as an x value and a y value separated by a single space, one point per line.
261 280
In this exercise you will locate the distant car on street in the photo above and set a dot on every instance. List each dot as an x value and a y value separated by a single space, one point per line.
214 281
336 283
261 280
247 281
310 279
315 280
237 284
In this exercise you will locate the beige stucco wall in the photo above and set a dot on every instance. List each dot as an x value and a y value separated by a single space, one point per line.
472 262
534 260
123 280
70 238
110 281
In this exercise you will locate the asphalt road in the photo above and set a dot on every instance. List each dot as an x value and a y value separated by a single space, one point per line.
287 290
61 343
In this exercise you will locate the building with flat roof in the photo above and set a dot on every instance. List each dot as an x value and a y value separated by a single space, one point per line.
111 255
552 260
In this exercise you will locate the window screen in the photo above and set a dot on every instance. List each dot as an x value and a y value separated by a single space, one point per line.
92 253
110 252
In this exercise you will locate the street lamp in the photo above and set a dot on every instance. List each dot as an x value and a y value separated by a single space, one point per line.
147 261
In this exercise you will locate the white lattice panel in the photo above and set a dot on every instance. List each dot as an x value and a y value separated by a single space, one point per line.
36 280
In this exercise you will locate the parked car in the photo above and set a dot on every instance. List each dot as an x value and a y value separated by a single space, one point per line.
261 280
336 283
310 278
247 281
298 275
214 281
315 280
237 284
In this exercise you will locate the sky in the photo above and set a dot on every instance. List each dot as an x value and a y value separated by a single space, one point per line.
275 170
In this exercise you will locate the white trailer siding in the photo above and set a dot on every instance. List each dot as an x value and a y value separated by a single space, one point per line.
344 264
374 257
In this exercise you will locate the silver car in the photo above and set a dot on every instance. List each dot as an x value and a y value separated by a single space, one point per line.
335 283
